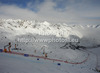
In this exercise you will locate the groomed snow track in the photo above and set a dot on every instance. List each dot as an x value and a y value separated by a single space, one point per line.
42 57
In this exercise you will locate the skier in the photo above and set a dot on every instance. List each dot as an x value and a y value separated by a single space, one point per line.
46 55
9 46
43 51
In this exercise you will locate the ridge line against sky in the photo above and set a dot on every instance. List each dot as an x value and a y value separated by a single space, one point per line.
54 11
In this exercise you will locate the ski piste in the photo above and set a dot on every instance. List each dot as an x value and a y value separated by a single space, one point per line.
42 57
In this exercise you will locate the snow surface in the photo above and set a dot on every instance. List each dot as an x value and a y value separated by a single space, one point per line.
13 30
19 64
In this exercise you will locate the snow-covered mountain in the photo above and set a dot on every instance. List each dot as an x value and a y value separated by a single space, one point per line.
60 41
35 35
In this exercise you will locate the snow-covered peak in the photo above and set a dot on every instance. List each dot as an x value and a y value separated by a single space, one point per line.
20 27
46 23
59 30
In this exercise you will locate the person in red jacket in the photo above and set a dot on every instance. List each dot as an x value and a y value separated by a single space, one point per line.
9 46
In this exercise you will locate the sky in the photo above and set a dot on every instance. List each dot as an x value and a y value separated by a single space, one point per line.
53 11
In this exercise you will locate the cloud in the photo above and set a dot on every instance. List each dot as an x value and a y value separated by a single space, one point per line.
73 12
12 11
